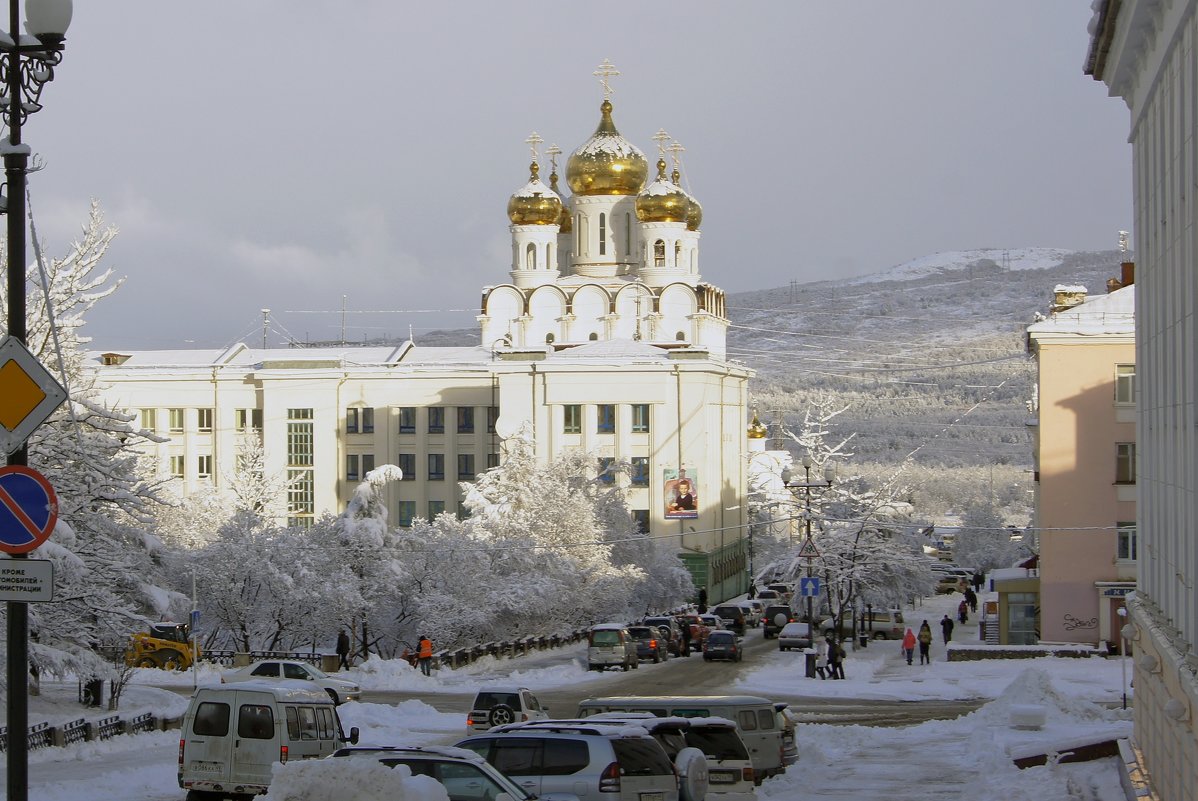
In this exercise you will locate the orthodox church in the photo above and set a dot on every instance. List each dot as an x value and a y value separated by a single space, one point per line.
604 339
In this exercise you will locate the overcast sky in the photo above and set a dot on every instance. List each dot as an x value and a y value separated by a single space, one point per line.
283 153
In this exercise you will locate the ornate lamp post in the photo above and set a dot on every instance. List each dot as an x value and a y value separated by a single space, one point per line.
26 65
806 486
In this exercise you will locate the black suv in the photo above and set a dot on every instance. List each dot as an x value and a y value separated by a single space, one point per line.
733 617
673 633
776 616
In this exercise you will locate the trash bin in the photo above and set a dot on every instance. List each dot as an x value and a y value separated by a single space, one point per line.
330 663
809 653
864 640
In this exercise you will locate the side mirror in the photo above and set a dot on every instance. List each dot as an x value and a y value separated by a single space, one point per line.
353 735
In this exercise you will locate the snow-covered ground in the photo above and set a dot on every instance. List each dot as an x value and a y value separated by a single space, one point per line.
970 757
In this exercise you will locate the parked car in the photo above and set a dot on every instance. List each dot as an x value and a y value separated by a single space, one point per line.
768 595
500 704
698 629
589 761
883 624
723 645
950 582
732 615
690 762
651 644
464 774
340 690
671 630
776 616
794 635
754 610
785 591
610 644
712 622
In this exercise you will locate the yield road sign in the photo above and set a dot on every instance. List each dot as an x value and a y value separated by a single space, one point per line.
26 580
28 509
28 394
809 587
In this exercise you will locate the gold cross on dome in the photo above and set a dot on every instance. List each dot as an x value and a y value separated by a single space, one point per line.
606 70
661 137
532 141
553 151
676 150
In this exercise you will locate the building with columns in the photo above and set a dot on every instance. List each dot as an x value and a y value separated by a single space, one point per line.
1146 52
600 336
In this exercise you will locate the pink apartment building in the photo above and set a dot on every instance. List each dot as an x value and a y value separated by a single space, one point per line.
1085 463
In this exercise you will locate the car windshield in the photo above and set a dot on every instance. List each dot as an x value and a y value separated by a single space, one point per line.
717 743
487 700
641 757
605 637
644 633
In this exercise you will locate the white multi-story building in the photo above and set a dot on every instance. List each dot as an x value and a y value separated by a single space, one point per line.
1146 51
604 340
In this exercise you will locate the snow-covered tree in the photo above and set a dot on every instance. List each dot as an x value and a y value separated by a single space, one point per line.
108 569
984 541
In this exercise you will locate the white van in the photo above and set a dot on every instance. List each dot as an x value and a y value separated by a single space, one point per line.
611 644
233 735
756 720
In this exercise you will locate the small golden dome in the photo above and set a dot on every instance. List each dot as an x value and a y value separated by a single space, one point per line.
694 212
565 221
607 163
662 201
534 203
756 429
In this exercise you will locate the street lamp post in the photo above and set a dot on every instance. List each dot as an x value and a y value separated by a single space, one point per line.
27 64
1122 612
806 485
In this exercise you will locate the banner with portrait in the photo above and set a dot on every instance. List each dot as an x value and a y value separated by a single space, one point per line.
681 494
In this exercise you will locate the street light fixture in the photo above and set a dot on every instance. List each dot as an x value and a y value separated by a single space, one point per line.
806 485
1123 631
26 65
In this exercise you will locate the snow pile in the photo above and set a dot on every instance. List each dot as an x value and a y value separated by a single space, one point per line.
407 723
1034 687
362 779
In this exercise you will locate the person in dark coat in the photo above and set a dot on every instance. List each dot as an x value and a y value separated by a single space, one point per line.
946 627
343 650
925 643
685 650
978 580
835 658
971 598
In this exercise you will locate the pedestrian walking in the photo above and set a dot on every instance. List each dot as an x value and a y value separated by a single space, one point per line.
686 638
424 655
343 651
821 658
925 643
979 579
963 611
909 645
972 598
835 658
946 627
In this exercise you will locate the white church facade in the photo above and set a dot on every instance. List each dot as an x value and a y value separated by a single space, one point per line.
603 339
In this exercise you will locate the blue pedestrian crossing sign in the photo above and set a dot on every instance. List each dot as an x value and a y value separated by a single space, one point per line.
809 587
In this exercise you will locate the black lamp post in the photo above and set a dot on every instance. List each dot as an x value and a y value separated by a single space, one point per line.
806 485
26 66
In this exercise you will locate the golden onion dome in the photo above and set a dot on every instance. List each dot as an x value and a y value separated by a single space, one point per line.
534 203
756 429
662 201
565 221
694 212
607 163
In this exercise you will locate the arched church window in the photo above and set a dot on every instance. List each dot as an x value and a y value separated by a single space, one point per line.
530 260
627 234
677 254
549 339
593 337
681 337
659 253
578 234
602 234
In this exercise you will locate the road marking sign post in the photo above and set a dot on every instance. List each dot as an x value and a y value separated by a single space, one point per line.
29 394
809 587
28 509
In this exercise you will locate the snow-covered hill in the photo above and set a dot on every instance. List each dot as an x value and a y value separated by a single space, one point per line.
1008 259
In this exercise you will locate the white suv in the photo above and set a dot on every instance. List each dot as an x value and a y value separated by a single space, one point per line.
593 761
499 705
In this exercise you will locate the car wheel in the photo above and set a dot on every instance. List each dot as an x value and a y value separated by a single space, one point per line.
656 657
333 695
146 661
500 715
879 636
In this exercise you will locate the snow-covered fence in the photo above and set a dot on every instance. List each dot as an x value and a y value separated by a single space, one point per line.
107 728
457 657
74 731
42 735
39 735
143 722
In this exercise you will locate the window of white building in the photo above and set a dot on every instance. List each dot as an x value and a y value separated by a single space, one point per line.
176 421
573 419
1125 384
204 421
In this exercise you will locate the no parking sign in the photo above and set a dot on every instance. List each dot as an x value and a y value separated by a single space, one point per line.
28 509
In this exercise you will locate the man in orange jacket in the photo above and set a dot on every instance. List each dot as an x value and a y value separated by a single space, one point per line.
424 655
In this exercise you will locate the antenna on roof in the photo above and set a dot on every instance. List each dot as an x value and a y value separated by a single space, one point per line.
265 323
